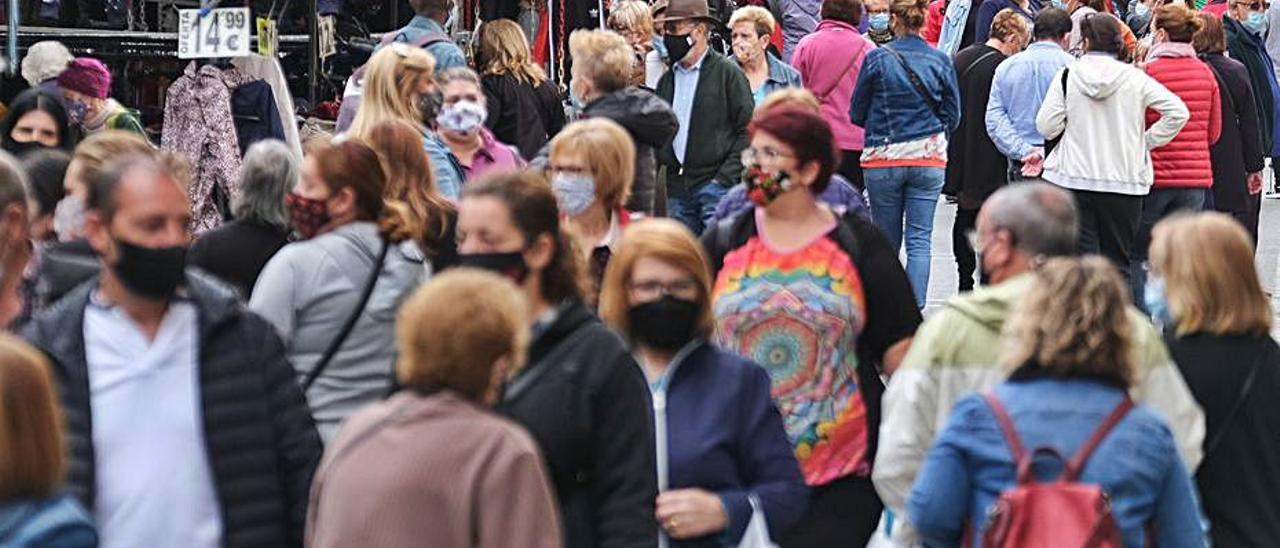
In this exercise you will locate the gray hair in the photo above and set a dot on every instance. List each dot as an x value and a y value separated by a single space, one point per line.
268 172
457 74
1041 217
45 60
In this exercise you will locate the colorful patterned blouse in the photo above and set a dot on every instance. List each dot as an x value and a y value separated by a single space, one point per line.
799 315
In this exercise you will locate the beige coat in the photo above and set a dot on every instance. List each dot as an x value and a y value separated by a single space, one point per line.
431 471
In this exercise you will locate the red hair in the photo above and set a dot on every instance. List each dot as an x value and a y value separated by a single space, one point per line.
808 135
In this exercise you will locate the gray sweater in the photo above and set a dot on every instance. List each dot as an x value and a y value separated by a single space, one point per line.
309 289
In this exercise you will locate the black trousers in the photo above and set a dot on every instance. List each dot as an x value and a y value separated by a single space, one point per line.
966 257
851 168
1109 226
841 514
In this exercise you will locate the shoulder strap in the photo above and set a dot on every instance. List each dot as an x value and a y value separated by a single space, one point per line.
1222 85
975 63
1006 426
720 242
1235 408
337 341
1076 465
915 81
862 52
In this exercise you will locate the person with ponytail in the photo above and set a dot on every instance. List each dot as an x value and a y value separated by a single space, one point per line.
333 297
581 393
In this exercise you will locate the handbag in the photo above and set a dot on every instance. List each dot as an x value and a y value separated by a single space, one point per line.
1050 144
337 341
922 91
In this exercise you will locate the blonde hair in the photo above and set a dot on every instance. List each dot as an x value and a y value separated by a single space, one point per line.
31 445
602 56
633 15
664 240
1073 323
759 17
1008 24
790 97
505 49
391 87
453 330
92 156
1206 261
1179 22
609 153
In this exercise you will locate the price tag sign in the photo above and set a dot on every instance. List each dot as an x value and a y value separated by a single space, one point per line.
222 32
268 37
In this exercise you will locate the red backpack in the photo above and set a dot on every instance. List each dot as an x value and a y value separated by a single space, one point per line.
1061 513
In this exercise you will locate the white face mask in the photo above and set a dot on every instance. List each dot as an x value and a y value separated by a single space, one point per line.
463 117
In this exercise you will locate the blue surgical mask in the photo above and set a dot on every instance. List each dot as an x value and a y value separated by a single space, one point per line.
1142 10
1060 4
1153 296
1256 23
574 193
878 21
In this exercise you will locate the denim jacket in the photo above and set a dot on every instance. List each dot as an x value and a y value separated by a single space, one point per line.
953 22
889 107
54 522
1137 462
781 75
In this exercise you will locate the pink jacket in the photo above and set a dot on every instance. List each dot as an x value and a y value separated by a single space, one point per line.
829 61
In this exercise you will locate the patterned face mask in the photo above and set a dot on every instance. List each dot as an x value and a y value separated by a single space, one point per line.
309 216
463 117
765 186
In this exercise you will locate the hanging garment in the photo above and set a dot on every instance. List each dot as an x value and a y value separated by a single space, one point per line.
268 70
253 107
198 124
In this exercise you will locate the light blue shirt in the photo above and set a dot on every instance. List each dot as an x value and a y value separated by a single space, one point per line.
686 87
1017 91
154 481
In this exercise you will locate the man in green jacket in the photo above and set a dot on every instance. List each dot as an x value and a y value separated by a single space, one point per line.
713 103
955 351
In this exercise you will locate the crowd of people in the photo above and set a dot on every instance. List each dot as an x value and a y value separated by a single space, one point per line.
681 303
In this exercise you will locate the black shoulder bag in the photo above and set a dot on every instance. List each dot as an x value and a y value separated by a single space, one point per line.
336 344
1050 144
919 85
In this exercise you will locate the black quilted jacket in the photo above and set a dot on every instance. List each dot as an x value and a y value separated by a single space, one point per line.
262 443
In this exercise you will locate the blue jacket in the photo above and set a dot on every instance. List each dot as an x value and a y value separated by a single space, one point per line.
889 107
57 522
449 175
1137 463
448 55
725 435
781 75
953 22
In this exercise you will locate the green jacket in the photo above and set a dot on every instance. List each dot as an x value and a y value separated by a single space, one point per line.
722 107
956 352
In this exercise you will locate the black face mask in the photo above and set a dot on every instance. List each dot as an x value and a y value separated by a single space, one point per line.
154 273
19 149
678 47
664 324
510 264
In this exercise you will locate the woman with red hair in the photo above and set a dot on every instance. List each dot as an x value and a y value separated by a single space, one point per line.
822 303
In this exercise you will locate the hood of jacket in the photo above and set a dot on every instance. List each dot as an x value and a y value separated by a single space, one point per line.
990 306
646 116
1099 75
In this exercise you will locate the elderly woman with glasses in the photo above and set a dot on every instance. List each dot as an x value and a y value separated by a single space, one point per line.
822 303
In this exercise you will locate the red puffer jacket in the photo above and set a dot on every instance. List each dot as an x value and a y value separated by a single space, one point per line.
1184 162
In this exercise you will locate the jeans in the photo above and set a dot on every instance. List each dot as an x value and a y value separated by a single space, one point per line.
695 210
907 194
1161 203
1108 226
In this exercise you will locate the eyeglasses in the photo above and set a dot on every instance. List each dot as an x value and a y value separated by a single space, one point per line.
752 156
653 289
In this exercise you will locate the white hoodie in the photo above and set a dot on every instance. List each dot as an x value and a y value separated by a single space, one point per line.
1106 146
